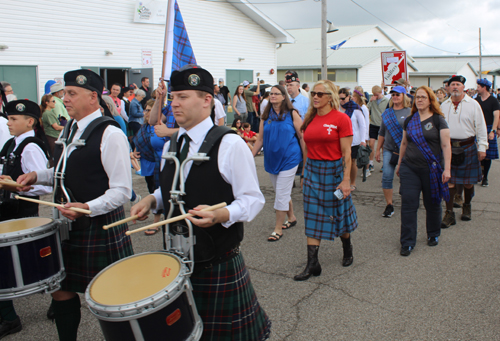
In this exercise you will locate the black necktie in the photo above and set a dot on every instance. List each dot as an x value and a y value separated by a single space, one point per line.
74 128
185 148
293 101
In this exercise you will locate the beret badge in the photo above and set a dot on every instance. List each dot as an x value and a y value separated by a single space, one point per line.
20 107
194 80
81 79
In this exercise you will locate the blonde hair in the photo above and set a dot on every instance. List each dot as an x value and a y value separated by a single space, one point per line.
111 105
332 90
376 89
406 102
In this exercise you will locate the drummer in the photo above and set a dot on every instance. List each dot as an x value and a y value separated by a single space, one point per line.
21 154
229 176
99 179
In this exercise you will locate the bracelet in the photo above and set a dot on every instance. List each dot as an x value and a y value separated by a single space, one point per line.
494 131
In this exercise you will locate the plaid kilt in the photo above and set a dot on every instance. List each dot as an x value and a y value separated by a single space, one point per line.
326 217
469 172
227 303
492 151
88 251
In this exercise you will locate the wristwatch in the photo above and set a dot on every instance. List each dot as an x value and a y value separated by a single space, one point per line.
494 131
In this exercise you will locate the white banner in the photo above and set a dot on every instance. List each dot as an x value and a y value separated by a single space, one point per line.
150 12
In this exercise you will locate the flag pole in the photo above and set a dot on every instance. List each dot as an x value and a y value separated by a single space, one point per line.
164 62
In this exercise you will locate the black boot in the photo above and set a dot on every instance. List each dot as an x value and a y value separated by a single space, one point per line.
50 313
312 268
347 246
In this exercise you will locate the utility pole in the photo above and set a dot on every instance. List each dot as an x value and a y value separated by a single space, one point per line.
480 57
324 66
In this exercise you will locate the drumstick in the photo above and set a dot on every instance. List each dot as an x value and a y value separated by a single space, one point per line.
174 219
76 209
119 222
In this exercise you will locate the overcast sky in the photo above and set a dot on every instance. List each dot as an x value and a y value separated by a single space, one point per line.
451 25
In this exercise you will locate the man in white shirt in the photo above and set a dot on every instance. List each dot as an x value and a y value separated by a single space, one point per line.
228 176
467 125
98 179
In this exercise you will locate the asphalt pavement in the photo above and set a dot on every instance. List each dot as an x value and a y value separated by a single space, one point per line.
447 292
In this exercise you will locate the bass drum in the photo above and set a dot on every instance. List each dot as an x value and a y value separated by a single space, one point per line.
145 297
30 257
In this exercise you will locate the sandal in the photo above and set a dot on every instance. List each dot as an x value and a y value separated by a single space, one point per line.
274 237
289 224
151 232
353 188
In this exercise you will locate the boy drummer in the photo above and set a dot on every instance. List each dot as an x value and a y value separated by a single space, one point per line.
22 154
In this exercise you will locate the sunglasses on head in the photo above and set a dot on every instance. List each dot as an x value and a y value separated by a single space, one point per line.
320 94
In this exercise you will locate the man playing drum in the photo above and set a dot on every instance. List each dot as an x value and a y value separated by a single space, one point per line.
22 154
98 179
229 176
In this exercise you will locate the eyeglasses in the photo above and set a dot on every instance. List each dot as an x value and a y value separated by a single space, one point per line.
275 94
147 110
421 98
320 94
341 98
395 94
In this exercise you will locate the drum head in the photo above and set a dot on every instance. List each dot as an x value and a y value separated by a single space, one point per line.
135 278
22 224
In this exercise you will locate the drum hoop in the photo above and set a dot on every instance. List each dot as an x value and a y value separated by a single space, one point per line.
131 310
33 288
34 233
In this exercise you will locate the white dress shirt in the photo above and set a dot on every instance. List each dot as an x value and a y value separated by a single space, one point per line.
115 159
237 167
466 121
219 111
32 159
4 131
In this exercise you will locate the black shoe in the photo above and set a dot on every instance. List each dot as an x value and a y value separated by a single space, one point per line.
406 250
485 182
432 241
389 211
10 327
50 313
347 248
313 268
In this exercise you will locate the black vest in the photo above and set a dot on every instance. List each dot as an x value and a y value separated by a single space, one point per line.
85 177
12 208
204 186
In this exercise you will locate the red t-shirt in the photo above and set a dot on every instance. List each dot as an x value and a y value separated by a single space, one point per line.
250 134
322 136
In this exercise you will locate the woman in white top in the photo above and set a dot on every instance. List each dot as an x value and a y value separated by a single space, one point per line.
358 129
265 100
360 99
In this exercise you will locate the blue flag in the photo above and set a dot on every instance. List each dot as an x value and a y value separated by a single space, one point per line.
336 47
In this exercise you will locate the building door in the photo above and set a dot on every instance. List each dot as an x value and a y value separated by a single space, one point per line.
236 77
111 75
135 76
24 80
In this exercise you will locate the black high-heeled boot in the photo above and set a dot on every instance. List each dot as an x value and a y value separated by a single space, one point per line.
312 268
347 246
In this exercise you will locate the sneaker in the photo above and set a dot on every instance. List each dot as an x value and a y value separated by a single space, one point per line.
448 219
466 212
368 173
432 241
371 168
137 199
138 172
382 170
458 201
406 250
389 211
485 183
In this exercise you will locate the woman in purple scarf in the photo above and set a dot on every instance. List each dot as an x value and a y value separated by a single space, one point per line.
424 166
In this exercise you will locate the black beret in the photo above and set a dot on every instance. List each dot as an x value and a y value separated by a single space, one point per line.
292 77
192 77
23 107
456 78
86 79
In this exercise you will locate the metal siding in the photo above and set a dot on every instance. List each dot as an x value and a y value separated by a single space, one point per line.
370 75
63 35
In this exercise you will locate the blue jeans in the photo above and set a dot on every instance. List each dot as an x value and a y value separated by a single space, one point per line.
388 171
414 181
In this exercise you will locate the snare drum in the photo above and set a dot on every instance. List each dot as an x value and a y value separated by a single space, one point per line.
145 297
30 257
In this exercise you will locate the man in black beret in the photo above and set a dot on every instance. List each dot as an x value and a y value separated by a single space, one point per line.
228 176
98 179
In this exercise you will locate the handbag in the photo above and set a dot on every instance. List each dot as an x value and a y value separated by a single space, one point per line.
394 159
457 156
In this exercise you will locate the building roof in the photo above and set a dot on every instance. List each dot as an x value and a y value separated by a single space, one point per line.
282 36
439 67
344 58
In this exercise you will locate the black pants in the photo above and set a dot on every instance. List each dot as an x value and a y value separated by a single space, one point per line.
414 181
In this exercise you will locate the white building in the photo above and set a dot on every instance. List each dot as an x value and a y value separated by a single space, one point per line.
358 61
41 40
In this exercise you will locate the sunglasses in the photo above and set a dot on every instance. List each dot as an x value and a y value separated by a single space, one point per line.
320 94
342 98
395 94
275 94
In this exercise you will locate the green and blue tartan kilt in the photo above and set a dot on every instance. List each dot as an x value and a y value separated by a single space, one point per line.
89 251
227 303
492 151
325 216
469 172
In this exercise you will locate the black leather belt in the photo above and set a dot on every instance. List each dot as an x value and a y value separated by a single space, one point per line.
462 143
216 261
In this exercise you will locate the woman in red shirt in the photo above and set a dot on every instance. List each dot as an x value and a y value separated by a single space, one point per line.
328 138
